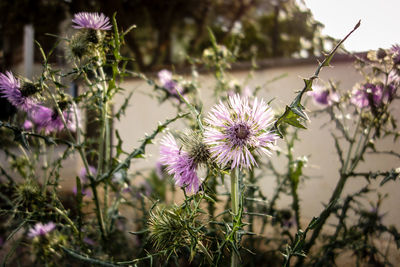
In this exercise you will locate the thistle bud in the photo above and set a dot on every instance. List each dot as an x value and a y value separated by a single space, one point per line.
381 53
93 36
197 149
28 89
78 46
167 227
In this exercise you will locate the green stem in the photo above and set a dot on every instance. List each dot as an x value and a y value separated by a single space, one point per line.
86 164
70 222
294 181
235 210
104 126
104 140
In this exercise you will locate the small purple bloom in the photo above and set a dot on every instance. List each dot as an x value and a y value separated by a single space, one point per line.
28 125
84 191
41 229
179 164
10 87
48 120
323 97
238 131
83 174
96 21
367 95
389 92
126 189
168 83
394 78
395 53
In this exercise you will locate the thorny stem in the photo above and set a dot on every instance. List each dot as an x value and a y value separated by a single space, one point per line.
235 209
293 183
67 219
104 140
86 165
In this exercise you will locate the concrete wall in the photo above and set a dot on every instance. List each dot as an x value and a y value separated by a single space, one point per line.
144 113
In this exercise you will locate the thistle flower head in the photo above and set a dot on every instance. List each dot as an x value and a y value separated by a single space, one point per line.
78 47
41 229
168 229
394 78
167 82
381 53
395 51
95 21
323 97
196 148
84 191
49 120
237 131
28 194
28 125
181 163
367 95
17 95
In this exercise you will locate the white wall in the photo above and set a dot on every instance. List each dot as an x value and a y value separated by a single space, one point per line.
144 113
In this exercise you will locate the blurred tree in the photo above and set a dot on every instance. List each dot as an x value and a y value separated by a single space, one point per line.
167 31
45 15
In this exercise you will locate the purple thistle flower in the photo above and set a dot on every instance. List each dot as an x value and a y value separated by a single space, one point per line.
10 87
180 164
168 83
96 21
394 78
367 95
84 191
237 131
323 97
28 125
83 174
48 120
126 189
389 92
395 53
41 229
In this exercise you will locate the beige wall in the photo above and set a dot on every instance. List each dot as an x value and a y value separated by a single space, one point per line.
144 113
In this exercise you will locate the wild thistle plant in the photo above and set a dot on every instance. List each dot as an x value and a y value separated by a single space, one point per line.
231 140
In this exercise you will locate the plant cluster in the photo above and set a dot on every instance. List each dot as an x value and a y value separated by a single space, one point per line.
117 217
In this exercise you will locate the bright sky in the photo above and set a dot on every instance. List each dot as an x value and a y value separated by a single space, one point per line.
380 20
